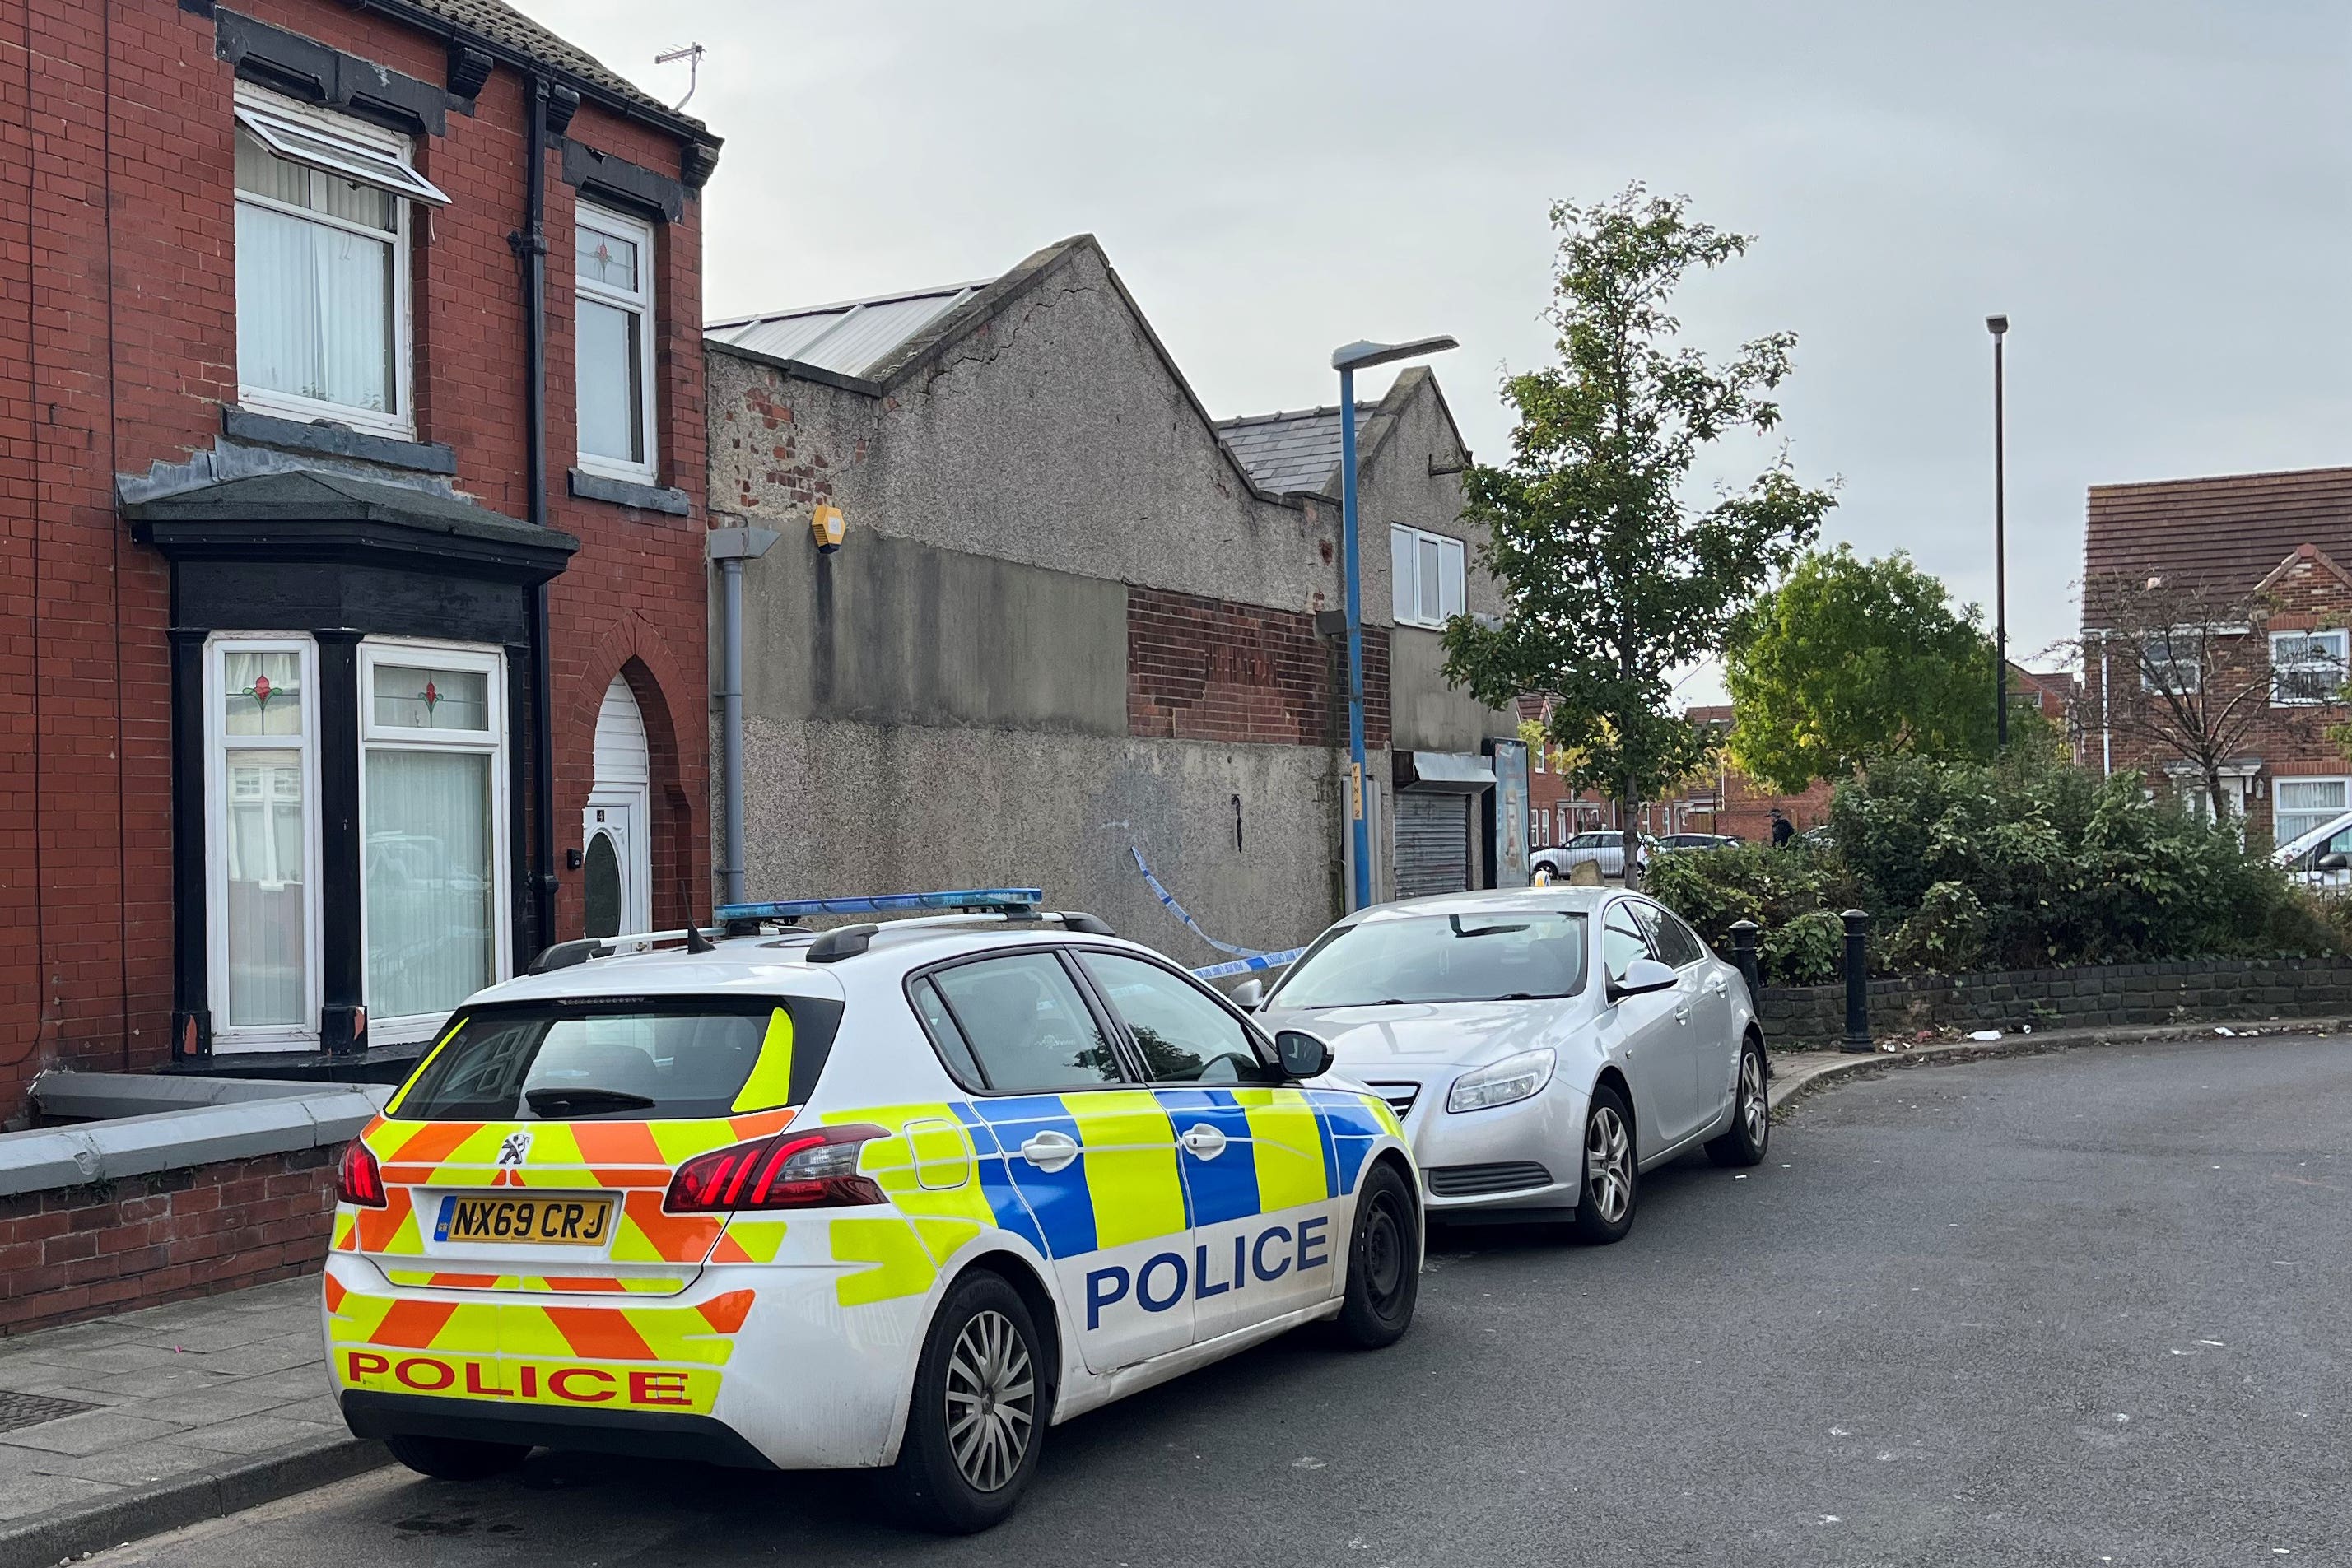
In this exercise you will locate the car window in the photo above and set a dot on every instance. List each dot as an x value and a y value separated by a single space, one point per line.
1622 941
1676 944
944 1033
1486 956
1026 1027
1184 1035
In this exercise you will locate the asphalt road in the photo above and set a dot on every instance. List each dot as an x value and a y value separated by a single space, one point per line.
2087 1308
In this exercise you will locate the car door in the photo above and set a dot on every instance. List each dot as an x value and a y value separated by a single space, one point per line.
1265 1231
1703 1007
1657 1062
1089 1150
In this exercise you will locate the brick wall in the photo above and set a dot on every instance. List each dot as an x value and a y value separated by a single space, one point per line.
2107 994
79 1252
118 348
1209 669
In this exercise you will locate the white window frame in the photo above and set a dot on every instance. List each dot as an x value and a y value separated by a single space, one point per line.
374 737
2174 662
2334 664
218 744
256 110
640 233
1448 547
2278 834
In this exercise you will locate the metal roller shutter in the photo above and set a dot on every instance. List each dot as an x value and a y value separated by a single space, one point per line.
1433 843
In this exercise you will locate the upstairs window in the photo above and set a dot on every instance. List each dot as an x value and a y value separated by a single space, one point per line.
614 332
1427 573
322 271
2306 667
2172 664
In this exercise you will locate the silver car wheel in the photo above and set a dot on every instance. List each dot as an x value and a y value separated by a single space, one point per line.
991 1401
1607 1165
1755 1108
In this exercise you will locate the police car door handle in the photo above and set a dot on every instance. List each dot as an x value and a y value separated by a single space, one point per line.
1050 1151
1203 1140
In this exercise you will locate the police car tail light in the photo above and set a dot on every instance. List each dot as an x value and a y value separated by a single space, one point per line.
815 1169
358 1180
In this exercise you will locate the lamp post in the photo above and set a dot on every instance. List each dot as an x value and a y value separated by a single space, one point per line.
1998 327
1347 361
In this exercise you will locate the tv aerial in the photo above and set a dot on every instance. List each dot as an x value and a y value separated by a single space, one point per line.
692 54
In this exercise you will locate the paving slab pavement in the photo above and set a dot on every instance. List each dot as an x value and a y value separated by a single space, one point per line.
165 1416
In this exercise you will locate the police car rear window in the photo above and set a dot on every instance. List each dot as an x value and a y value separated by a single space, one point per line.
623 1059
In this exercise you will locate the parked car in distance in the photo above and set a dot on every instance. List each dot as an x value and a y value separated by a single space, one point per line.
1606 845
1542 1048
1699 841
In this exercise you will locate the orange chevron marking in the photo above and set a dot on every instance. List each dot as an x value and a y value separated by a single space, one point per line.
464 1281
674 1237
726 1314
582 1282
335 1293
617 1143
730 1250
599 1334
432 1143
377 1227
412 1324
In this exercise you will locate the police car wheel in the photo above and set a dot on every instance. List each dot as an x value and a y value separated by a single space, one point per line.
1604 1210
456 1459
1383 1263
979 1413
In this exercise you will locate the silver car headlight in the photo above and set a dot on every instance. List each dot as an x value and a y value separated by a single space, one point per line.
1499 1084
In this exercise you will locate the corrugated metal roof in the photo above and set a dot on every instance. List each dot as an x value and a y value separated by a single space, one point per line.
1290 452
849 337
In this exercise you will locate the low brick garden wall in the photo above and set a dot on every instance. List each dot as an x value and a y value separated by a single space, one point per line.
2049 998
78 1251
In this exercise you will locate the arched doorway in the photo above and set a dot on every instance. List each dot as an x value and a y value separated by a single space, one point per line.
616 836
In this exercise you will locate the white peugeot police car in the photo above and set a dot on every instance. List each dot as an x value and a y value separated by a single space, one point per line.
892 1196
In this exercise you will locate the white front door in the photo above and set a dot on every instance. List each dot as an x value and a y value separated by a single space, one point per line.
614 873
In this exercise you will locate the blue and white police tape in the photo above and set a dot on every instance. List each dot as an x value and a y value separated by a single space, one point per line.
1243 966
1176 909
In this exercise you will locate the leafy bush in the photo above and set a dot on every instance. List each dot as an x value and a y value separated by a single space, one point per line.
1807 951
2025 862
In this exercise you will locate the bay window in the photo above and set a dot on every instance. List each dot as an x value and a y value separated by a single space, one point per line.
431 787
612 333
322 264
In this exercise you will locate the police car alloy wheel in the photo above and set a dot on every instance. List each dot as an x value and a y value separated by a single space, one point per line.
1606 1212
979 1410
1383 1264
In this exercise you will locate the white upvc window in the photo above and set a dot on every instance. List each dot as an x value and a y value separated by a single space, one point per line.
2306 667
433 808
2300 805
261 841
2174 663
1426 572
614 345
323 206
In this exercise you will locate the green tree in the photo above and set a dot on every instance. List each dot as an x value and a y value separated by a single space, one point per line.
1613 578
1852 659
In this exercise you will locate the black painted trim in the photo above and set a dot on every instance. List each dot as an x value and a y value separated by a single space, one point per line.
644 1434
522 910
602 177
333 439
307 69
697 164
470 69
623 493
191 975
343 962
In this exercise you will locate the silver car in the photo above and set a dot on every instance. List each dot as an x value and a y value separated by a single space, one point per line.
1543 1046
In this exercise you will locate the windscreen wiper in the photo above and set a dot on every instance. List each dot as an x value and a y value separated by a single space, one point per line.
583 1102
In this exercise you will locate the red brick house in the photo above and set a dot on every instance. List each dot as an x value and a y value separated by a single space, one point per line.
2233 594
351 464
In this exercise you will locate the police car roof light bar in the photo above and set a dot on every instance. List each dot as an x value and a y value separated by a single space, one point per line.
977 900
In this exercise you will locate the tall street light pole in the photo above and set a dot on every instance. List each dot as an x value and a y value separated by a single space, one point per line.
1347 361
1998 327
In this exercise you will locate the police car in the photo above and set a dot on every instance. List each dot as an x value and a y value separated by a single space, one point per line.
898 1195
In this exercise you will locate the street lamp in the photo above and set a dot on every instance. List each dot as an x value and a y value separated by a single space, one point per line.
1998 327
1347 361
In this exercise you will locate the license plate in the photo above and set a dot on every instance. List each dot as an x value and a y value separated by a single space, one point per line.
545 1221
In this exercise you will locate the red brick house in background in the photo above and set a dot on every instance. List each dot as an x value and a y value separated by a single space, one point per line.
325 639
2268 554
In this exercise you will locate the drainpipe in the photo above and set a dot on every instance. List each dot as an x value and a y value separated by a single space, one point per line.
550 109
2107 745
730 547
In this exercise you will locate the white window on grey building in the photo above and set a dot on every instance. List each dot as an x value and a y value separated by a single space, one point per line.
2306 667
1426 572
433 854
613 270
2300 805
322 264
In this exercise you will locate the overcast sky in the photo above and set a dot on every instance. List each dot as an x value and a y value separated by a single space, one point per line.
2155 191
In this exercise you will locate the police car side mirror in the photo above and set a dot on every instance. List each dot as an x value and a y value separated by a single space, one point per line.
1302 1055
1248 995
